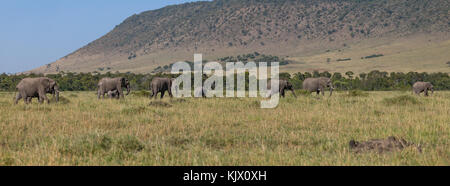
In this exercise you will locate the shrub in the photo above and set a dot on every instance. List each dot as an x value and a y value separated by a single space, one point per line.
84 145
129 144
345 59
374 56
141 93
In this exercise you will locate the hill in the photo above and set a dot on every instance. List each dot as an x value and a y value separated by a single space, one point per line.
409 33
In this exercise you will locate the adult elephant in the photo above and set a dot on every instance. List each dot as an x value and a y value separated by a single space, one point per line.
36 87
283 86
420 87
318 85
113 84
36 95
161 85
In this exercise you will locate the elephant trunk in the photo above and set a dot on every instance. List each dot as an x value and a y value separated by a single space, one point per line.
56 93
128 89
293 92
331 90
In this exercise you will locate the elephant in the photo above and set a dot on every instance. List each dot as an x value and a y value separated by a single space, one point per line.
113 94
420 87
283 86
161 85
36 87
112 84
318 85
36 95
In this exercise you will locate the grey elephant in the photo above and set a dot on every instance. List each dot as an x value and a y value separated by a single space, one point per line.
36 95
161 85
283 86
420 87
113 84
318 85
36 87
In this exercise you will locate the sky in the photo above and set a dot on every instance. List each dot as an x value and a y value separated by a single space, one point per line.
34 33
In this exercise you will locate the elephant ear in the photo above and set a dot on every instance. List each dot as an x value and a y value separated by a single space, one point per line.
45 82
52 83
322 82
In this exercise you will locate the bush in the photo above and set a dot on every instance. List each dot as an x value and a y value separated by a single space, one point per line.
129 144
345 59
374 56
141 93
89 144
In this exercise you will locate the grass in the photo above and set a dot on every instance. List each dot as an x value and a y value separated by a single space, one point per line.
401 100
309 130
419 53
357 93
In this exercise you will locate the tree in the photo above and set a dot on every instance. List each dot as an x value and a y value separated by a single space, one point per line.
349 74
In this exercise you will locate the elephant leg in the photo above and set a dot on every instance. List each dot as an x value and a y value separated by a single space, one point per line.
170 92
101 94
426 93
283 93
98 94
18 97
162 94
120 92
293 93
154 94
24 97
29 99
44 98
318 92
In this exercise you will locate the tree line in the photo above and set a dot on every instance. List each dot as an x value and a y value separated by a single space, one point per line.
372 81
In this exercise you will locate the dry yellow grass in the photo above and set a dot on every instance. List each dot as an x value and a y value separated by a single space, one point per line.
417 54
81 130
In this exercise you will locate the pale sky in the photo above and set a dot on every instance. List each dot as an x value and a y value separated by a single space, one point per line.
34 33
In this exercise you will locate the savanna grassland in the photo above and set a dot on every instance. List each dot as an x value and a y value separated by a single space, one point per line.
81 130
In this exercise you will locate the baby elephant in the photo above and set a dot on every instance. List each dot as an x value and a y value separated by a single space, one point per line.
114 94
420 87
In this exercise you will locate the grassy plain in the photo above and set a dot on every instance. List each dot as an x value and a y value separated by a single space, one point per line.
81 130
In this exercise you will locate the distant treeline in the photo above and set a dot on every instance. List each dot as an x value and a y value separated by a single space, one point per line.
372 81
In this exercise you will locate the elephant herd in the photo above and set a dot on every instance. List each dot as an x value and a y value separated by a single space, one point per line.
29 88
